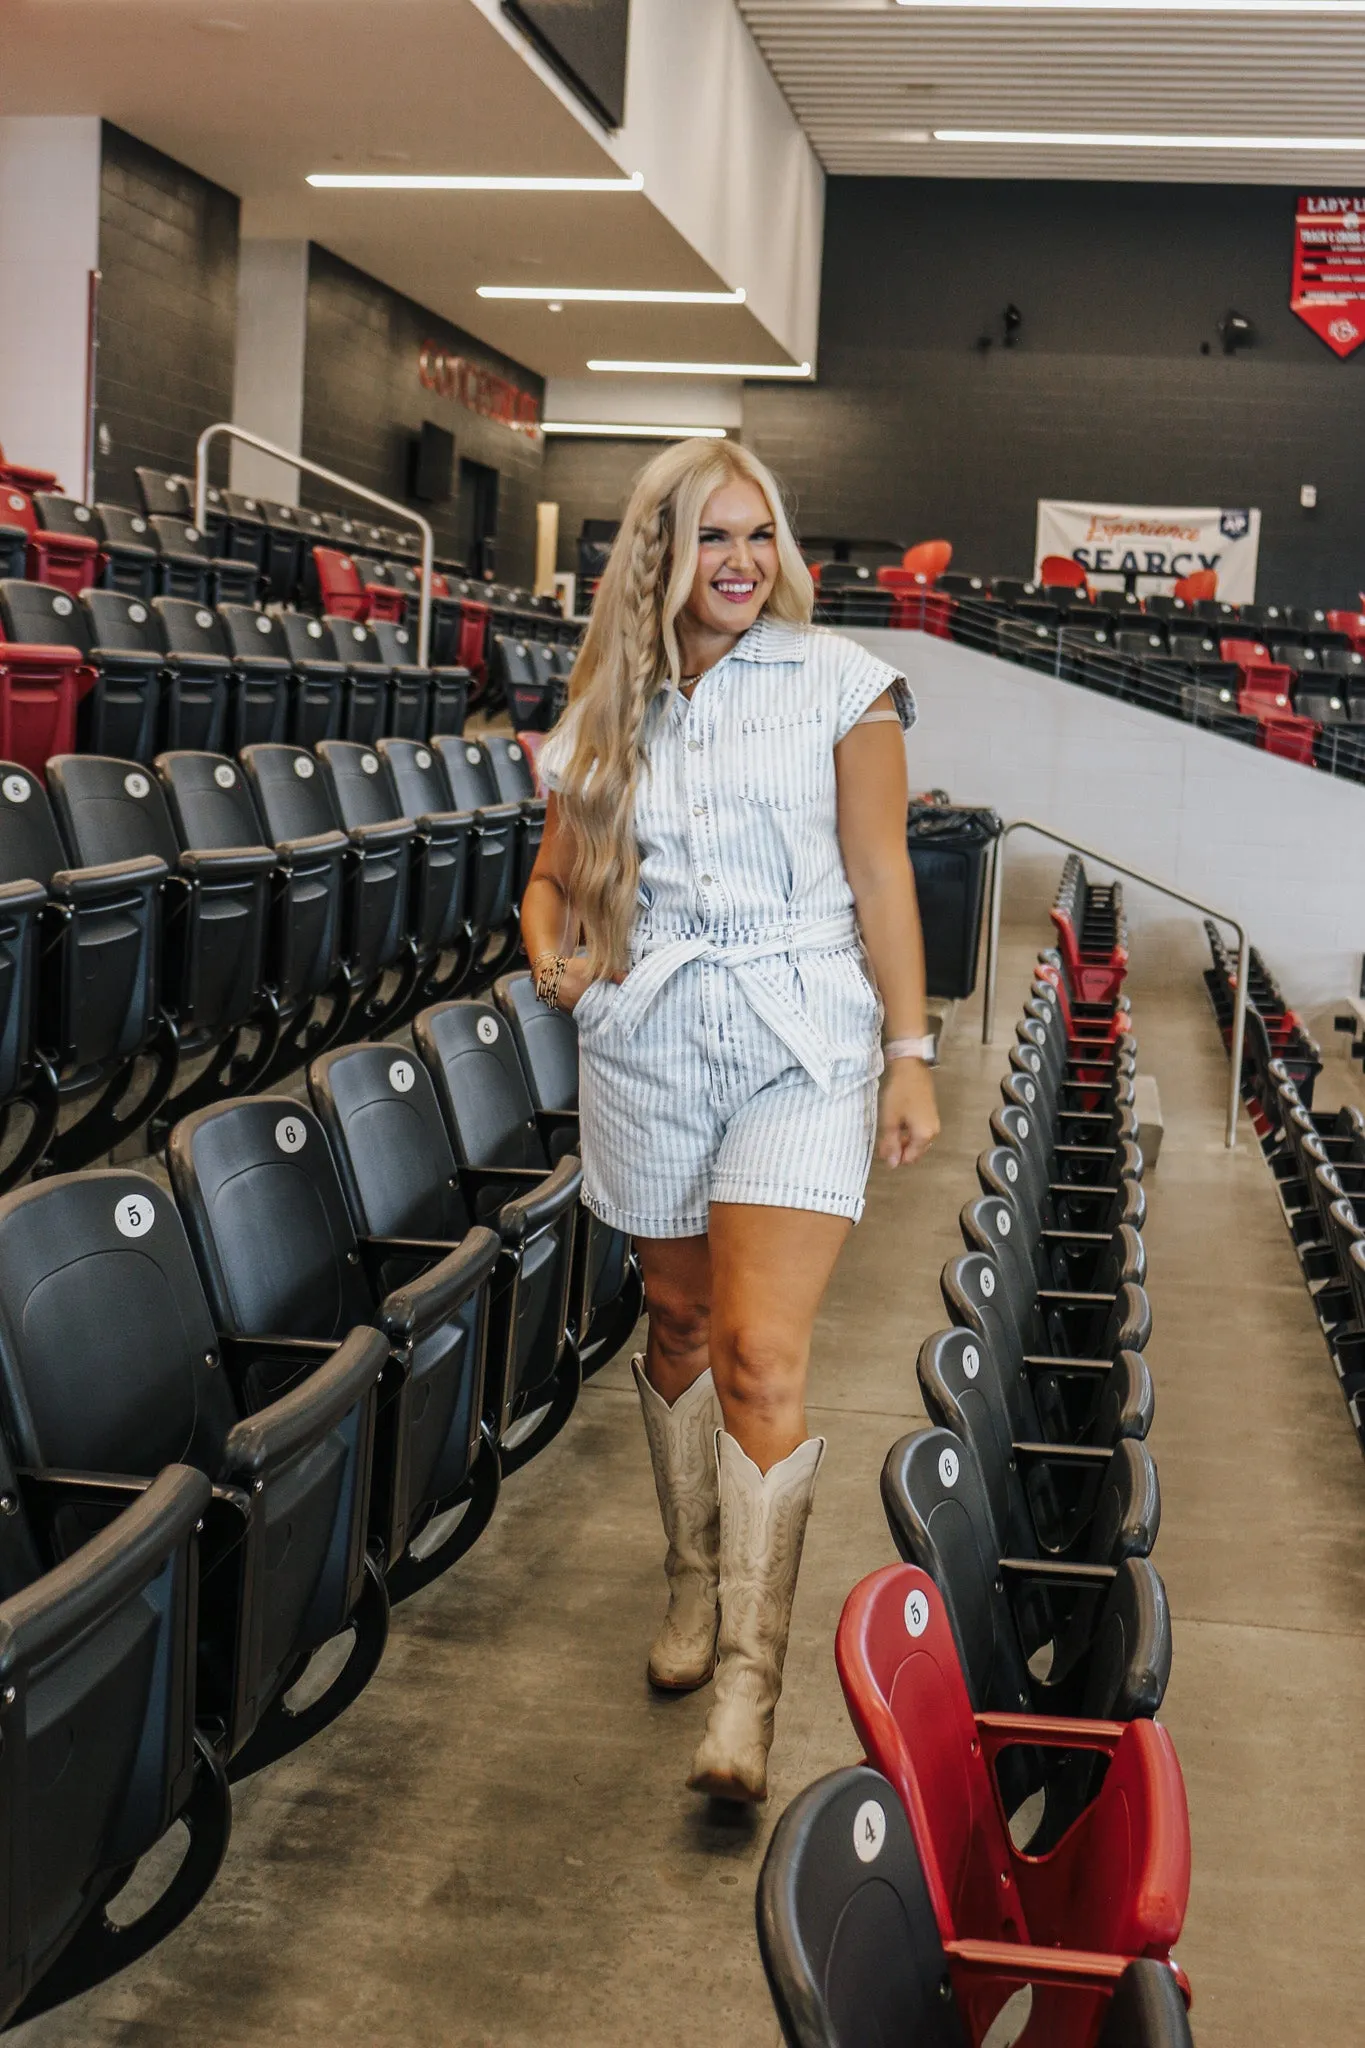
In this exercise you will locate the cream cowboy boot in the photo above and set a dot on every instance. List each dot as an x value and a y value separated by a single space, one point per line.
762 1528
682 1448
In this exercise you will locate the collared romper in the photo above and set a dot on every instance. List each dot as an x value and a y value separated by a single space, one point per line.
738 1060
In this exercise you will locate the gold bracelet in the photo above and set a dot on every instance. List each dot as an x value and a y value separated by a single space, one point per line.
548 978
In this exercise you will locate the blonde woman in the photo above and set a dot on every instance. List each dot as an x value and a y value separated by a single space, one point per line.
726 831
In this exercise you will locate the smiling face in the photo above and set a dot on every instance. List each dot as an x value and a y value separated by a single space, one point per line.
736 559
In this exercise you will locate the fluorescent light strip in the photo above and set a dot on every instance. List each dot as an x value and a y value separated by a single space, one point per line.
649 369
1065 138
632 433
397 181
1318 7
589 295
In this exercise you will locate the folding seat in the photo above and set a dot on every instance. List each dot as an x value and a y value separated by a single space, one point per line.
1067 1187
958 583
1091 937
282 554
287 1276
1061 572
236 524
917 606
444 649
849 596
1122 603
1011 590
188 569
854 1952
1143 641
1034 644
1084 1630
214 914
128 553
344 593
515 782
318 688
1072 1146
1217 612
1117 1882
383 598
1203 704
68 560
1088 655
66 520
1351 624
403 1183
199 679
1054 1318
609 1288
162 494
274 700
503 831
409 712
1087 1026
13 548
364 794
307 989
295 802
404 576
549 675
365 704
43 673
111 1363
1168 608
449 843
26 478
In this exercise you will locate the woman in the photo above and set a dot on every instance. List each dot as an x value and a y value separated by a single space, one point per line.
726 829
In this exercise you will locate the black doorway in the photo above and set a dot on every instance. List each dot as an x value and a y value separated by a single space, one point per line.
478 517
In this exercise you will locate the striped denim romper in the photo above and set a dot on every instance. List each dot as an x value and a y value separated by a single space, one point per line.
738 1061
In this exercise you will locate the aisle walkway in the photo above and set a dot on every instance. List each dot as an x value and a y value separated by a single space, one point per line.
495 1846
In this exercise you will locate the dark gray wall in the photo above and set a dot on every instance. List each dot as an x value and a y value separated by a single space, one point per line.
167 313
914 433
363 403
590 480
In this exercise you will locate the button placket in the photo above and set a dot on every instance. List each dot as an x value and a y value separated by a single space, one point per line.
698 794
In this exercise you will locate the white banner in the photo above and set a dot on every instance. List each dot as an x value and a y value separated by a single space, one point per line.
1157 543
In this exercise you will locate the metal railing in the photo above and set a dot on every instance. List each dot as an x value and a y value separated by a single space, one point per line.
340 483
1239 1015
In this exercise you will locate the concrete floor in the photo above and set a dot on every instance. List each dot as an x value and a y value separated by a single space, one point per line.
495 1845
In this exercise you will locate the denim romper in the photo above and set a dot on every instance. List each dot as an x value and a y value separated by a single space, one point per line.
738 1061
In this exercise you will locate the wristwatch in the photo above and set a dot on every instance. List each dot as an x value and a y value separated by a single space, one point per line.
925 1049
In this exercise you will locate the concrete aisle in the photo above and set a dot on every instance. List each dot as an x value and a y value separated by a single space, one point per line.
495 1845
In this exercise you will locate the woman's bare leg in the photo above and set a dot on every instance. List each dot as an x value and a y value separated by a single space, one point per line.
769 1271
677 1274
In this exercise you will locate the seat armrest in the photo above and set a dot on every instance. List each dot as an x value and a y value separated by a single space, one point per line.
1072 1299
226 862
1081 1457
313 842
1052 1571
1044 1731
16 896
546 1197
437 823
381 837
112 1566
423 1303
82 885
498 814
1076 1236
301 1418
39 650
1045 1362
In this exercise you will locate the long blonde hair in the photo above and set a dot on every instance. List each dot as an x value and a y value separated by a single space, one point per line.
630 653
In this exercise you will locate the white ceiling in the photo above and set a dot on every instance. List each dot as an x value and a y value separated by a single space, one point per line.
862 76
257 93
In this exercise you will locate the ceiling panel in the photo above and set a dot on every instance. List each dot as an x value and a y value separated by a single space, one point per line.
868 79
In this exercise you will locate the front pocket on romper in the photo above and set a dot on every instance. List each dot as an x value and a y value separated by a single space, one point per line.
785 760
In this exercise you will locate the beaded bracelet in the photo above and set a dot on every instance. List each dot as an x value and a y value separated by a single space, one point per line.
548 969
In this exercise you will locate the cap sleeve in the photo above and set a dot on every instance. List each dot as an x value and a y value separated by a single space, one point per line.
862 679
554 755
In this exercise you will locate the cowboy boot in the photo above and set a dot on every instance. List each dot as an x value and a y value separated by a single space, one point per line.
763 1519
682 1449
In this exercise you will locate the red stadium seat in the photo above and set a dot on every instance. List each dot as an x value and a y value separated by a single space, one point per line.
1201 583
1059 572
1117 1882
1352 624
916 607
27 479
531 744
40 688
71 561
928 558
344 596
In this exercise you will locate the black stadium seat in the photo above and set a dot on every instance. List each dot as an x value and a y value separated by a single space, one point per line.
194 710
496 853
211 809
187 569
366 697
129 552
214 918
320 683
408 711
288 1276
121 709
854 1955
110 1362
266 693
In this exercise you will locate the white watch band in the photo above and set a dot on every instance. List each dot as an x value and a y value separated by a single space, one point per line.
925 1049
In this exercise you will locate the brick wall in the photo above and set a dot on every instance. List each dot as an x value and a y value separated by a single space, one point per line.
363 404
167 313
590 480
912 432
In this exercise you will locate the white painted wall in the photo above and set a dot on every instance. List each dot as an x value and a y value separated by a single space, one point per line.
267 395
647 401
49 245
1274 843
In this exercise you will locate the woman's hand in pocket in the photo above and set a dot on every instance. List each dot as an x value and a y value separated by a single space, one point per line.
573 982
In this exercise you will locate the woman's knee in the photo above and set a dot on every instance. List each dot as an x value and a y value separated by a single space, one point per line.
679 1322
759 1368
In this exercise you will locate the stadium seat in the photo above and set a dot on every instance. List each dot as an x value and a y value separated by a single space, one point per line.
128 552
448 842
199 679
849 595
495 856
187 569
295 803
68 559
1197 587
97 1008
408 714
280 550
1061 572
928 558
165 495
854 1954
111 1363
406 1172
345 595
959 583
267 697
308 992
365 699
1116 1884
45 675
214 913
287 1276
319 689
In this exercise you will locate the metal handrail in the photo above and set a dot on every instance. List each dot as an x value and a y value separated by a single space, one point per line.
1239 1014
340 483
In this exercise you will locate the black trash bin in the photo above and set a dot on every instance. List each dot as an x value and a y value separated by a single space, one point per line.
949 846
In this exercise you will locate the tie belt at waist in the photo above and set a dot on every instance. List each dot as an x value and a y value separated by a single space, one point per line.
658 964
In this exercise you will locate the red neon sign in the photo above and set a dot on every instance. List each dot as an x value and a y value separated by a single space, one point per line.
478 390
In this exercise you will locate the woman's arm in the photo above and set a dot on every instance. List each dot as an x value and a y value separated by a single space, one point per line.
548 923
869 768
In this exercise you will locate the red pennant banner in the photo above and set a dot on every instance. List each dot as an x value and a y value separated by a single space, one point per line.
1328 291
